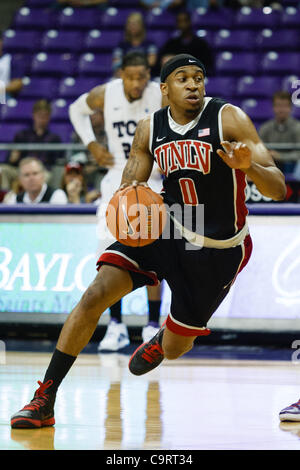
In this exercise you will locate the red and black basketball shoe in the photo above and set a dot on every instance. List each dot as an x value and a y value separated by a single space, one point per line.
39 412
147 356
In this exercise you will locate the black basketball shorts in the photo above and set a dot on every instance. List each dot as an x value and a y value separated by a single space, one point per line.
199 279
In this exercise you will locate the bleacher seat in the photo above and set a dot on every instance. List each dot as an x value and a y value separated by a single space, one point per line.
220 86
256 18
281 39
63 130
17 111
21 41
72 88
78 18
61 41
289 83
160 19
9 130
99 41
236 63
260 87
39 87
95 64
35 19
53 64
290 18
259 110
234 40
114 18
60 110
212 19
280 63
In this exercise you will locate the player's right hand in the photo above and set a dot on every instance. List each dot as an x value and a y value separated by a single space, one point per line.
101 155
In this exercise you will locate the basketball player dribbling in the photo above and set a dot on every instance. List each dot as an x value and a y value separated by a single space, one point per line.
124 102
185 139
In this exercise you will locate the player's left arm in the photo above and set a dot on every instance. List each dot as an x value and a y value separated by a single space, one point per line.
140 162
244 150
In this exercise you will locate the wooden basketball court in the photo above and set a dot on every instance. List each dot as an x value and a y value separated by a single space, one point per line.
184 404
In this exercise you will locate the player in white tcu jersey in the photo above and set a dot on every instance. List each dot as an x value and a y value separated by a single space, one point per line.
124 102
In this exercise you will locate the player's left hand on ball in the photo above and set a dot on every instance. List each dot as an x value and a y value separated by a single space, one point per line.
236 155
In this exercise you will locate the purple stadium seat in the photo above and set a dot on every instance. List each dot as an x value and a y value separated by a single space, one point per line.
258 110
9 130
53 64
159 37
281 39
290 18
227 40
34 19
60 110
160 19
296 112
236 63
260 87
63 130
114 18
256 18
61 41
73 87
17 111
94 64
39 88
290 83
129 3
79 18
38 3
206 34
21 41
21 64
212 19
280 63
99 41
220 86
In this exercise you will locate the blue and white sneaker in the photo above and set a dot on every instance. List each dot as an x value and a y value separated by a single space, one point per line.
290 413
116 337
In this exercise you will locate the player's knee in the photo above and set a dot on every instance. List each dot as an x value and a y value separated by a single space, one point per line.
93 298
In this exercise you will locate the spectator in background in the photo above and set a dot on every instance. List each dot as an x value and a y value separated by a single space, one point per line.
93 173
187 42
8 74
32 178
38 133
283 128
135 40
74 185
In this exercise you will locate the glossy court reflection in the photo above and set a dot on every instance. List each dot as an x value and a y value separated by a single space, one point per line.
191 403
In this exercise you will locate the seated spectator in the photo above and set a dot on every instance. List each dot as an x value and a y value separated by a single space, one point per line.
92 172
283 128
135 40
8 75
187 42
37 133
32 177
74 185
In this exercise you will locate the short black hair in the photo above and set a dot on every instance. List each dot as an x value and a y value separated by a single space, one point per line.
135 58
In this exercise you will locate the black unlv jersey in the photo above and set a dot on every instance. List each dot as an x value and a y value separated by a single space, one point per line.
194 172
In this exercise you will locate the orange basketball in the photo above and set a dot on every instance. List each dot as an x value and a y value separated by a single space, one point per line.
136 216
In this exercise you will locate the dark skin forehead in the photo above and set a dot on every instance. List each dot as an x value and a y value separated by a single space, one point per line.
187 69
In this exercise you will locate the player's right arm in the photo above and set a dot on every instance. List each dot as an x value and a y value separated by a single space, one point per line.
140 162
80 112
